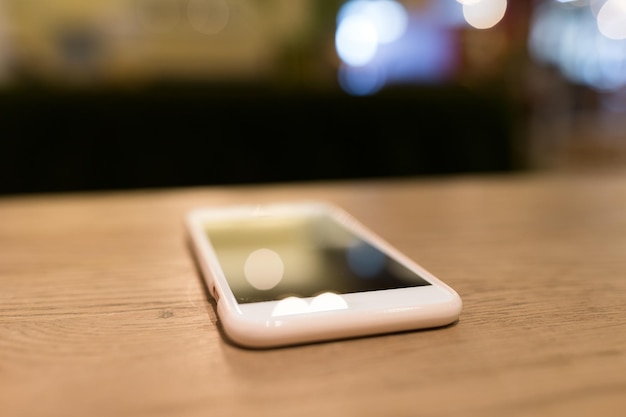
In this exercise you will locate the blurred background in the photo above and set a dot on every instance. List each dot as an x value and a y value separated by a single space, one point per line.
119 94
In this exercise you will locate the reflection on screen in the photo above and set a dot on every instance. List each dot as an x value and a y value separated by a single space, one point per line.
271 258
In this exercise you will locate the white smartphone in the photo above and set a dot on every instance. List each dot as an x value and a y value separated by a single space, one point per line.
292 273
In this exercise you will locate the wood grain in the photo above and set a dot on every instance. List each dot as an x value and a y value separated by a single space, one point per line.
103 312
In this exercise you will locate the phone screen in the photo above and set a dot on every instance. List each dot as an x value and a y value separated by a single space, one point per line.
269 258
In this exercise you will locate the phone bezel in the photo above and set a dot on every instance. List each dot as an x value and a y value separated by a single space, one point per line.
370 312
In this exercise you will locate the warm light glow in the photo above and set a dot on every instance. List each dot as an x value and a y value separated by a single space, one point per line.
612 19
483 14
157 16
264 269
208 16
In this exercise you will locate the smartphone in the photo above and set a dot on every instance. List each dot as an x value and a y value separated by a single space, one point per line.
293 273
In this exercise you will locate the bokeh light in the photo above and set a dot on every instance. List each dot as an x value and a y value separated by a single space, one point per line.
362 25
161 16
361 81
612 19
583 41
208 16
264 269
356 40
483 14
389 17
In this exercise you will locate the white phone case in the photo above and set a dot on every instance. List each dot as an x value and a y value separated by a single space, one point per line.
300 319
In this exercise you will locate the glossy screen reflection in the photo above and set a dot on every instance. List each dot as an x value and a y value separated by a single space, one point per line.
269 258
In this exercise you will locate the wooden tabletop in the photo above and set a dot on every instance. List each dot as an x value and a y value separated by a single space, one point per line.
104 313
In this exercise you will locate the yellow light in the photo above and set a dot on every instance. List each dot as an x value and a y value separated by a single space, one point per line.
208 16
483 14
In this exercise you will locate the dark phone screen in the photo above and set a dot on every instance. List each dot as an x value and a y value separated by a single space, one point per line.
269 258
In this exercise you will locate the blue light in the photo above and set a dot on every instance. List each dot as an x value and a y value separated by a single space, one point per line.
365 261
361 81
380 43
569 38
362 25
356 40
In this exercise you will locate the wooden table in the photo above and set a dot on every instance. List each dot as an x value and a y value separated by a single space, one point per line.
103 312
